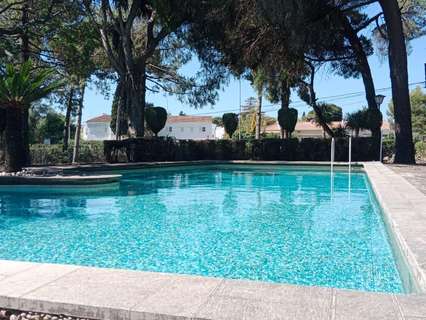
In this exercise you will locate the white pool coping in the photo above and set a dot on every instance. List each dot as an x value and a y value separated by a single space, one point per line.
123 294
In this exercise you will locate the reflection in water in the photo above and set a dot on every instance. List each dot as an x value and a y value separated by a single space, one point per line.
279 225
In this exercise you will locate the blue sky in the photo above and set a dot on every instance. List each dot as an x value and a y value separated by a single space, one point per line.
327 87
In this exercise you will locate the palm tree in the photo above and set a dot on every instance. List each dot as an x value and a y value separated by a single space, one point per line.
19 87
356 121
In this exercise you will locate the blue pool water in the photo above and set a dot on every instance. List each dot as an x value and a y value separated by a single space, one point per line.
278 224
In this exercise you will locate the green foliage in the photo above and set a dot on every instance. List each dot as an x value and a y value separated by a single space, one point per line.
50 127
364 119
421 150
156 118
374 119
140 150
20 86
230 122
418 111
331 113
90 152
287 118
357 120
218 121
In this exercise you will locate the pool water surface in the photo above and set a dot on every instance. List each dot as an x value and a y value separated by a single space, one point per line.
269 223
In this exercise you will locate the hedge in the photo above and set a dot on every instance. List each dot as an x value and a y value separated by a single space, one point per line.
421 150
90 152
160 149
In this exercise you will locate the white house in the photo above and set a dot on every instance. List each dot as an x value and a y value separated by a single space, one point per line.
189 128
98 128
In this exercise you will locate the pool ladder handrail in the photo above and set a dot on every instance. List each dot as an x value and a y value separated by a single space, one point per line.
350 153
332 153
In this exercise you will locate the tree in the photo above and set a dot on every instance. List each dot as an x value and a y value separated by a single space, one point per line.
74 49
230 122
418 111
404 146
132 34
25 28
287 118
218 121
365 118
357 121
19 87
50 127
331 113
156 118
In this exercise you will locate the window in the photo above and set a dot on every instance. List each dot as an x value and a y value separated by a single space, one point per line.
192 129
182 129
170 129
203 129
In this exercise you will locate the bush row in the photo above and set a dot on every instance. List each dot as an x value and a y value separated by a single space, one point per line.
141 150
90 152
421 150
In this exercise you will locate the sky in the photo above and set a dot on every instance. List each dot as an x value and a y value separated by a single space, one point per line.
329 88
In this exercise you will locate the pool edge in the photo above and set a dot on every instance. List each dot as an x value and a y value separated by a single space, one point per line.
397 199
56 289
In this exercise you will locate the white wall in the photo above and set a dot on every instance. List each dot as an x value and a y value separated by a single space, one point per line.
188 130
97 131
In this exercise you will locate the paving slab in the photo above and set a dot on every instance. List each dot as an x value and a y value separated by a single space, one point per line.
8 267
111 292
415 174
16 285
183 296
353 305
412 305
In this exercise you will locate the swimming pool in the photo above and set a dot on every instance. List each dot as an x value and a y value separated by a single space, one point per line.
270 223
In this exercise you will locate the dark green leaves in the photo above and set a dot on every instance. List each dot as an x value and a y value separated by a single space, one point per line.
156 118
230 121
20 86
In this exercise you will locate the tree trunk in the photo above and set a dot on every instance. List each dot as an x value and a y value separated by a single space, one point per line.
25 56
365 70
2 140
138 96
67 125
362 61
404 146
313 104
285 103
258 117
76 150
14 142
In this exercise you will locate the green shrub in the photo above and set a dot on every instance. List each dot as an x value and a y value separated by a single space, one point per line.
421 150
374 119
287 118
156 118
43 154
230 122
388 147
140 150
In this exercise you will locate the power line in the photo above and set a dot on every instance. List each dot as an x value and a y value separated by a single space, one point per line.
300 103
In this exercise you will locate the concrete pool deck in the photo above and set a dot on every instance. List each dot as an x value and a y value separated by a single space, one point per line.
123 294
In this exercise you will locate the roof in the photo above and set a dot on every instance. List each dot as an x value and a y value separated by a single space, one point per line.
312 126
102 118
301 125
179 119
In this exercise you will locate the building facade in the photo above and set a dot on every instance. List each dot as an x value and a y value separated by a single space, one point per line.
189 128
98 129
